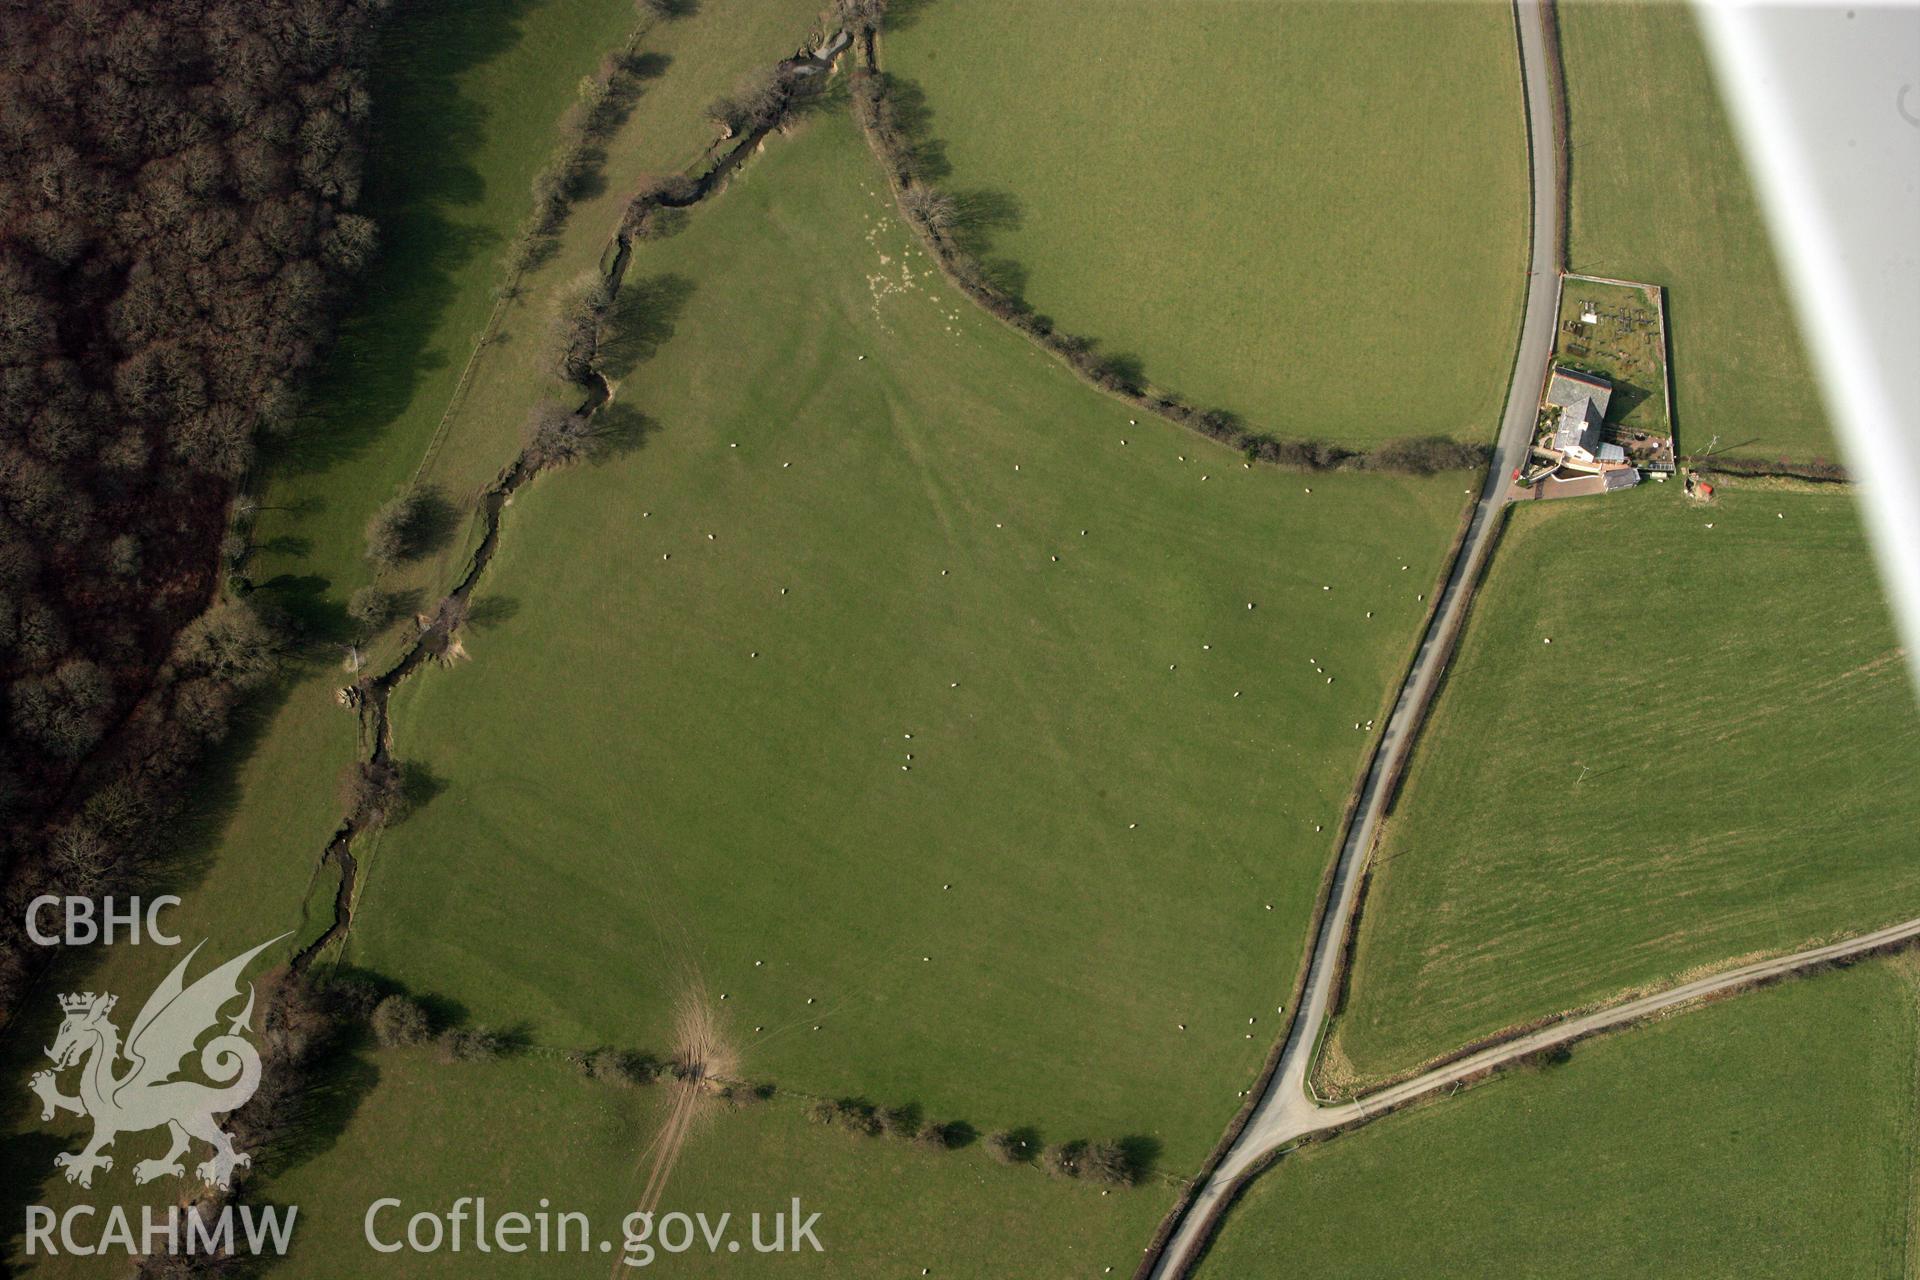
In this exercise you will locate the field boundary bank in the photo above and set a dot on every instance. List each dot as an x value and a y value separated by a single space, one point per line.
1112 374
1395 778
1824 474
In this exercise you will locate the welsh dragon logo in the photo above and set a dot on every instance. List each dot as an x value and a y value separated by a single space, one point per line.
132 1087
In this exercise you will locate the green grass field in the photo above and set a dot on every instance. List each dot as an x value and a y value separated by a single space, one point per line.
468 100
887 1208
655 772
1660 195
468 97
1715 757
1312 214
1768 1135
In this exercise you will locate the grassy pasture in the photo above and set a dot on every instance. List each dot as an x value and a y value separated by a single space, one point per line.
447 178
887 1208
400 1123
1312 214
467 97
1715 757
655 772
1769 1135
475 82
1660 194
471 97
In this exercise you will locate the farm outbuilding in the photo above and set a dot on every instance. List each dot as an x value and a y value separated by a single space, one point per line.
1621 478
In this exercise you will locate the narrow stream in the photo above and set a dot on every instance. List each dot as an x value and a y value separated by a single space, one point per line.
371 696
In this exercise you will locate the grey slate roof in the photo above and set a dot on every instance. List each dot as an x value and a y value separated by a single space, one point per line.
1568 385
1622 478
1579 425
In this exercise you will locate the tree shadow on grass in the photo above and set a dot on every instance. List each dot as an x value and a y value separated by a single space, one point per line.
291 545
913 117
641 67
430 523
902 14
335 1086
644 314
443 1011
623 430
1143 1155
419 786
492 611
306 599
1006 275
424 126
586 177
979 213
958 1134
1026 1144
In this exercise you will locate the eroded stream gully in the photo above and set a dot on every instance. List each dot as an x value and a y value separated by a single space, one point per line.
370 696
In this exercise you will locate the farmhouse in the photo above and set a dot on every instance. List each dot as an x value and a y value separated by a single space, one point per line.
1582 399
1575 459
1569 385
1578 435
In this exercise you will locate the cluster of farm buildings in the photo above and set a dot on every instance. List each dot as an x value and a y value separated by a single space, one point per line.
1582 401
1573 456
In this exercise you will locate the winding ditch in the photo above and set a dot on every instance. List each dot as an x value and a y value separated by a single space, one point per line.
370 697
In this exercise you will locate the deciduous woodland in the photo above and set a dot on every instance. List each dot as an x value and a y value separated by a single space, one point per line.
177 185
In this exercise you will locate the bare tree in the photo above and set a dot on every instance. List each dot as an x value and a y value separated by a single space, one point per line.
371 607
580 325
399 1021
1106 1162
933 209
556 436
861 13
373 792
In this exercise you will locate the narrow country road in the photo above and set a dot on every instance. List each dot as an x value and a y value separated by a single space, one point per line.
1284 1110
